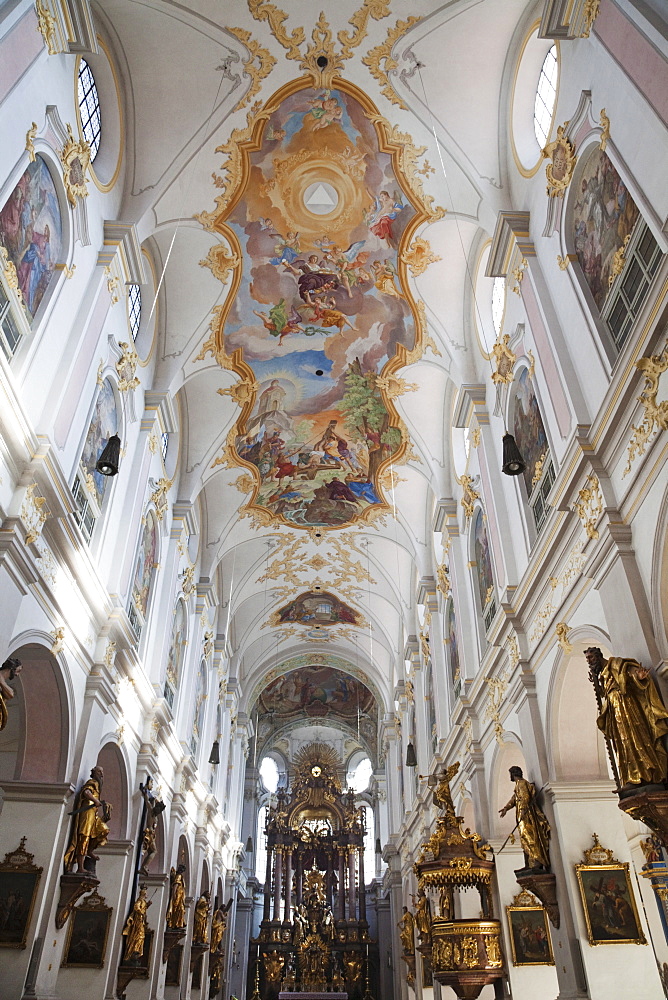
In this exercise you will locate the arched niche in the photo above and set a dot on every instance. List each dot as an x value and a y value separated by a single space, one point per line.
34 744
578 746
468 814
115 789
183 858
509 755
205 880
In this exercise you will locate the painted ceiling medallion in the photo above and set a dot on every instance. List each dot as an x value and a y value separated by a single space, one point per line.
321 199
317 610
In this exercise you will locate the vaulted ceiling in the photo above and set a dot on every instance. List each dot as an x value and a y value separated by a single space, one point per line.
272 525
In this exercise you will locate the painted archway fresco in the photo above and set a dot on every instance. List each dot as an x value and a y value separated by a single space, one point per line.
320 317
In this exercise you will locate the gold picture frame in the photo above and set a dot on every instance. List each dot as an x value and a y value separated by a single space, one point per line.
87 933
610 909
19 881
529 931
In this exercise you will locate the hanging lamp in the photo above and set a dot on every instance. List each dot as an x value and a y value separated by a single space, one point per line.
513 463
214 756
411 758
107 463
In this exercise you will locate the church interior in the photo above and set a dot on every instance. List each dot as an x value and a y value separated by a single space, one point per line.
361 698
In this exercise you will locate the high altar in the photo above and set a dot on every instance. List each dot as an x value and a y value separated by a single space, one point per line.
314 934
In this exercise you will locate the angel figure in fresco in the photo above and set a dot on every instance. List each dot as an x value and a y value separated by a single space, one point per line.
348 264
384 212
385 275
311 278
287 249
328 315
280 322
275 134
326 110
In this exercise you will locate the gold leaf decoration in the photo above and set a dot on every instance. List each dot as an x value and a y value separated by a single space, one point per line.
241 392
605 134
220 262
265 64
559 170
30 141
590 13
75 158
656 414
419 256
46 25
381 62
409 156
589 505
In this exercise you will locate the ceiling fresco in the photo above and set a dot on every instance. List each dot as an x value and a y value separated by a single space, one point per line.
322 609
318 216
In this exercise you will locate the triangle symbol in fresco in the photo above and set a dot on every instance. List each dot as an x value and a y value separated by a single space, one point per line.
321 198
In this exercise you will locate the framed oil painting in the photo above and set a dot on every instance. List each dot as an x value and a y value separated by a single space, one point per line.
607 896
173 973
87 934
19 879
530 942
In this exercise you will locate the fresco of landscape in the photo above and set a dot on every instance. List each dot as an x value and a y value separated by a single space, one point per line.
320 309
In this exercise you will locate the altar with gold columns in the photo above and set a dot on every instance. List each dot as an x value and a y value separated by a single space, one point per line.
314 934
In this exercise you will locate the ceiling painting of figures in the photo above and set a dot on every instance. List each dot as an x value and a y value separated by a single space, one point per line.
317 692
320 316
319 609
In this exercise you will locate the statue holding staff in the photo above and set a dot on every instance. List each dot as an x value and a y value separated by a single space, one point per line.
633 719
532 824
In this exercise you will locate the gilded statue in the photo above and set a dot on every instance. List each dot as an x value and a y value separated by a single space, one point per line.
154 807
632 717
423 918
532 824
441 795
8 671
218 925
352 962
176 911
89 831
273 966
201 918
470 952
407 932
135 927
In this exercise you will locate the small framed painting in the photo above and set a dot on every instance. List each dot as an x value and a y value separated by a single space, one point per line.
87 934
19 879
607 896
530 941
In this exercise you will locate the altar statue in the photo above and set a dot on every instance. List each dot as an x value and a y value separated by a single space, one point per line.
135 927
8 671
632 716
201 918
176 911
218 925
407 932
423 918
89 831
532 824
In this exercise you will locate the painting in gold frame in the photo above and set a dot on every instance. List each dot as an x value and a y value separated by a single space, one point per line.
87 934
19 879
607 896
529 931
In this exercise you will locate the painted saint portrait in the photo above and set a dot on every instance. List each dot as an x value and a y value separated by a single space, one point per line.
609 904
87 934
453 646
528 427
316 691
529 935
31 232
146 565
320 311
603 215
314 608
175 653
17 894
103 424
484 576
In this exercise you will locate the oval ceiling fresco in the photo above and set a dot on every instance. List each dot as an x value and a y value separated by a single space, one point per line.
318 214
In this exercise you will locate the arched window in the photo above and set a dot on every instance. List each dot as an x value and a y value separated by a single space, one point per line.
614 246
89 108
199 709
484 577
360 776
531 439
31 234
89 487
261 845
498 304
369 842
176 650
134 309
546 95
431 708
268 770
452 647
144 574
